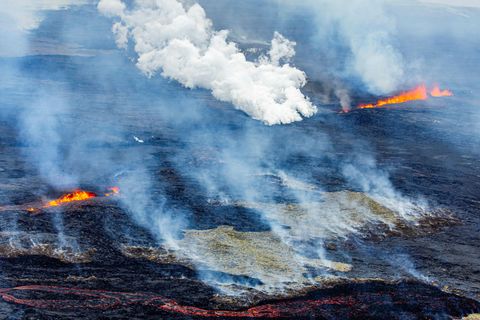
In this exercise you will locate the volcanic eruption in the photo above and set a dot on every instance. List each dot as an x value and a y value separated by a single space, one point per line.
419 93
225 211
77 195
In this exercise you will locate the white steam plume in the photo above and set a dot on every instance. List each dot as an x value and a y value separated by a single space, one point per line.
180 43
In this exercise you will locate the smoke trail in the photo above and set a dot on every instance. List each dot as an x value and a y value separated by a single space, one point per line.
375 59
148 208
41 127
40 120
19 17
181 43
366 30
362 173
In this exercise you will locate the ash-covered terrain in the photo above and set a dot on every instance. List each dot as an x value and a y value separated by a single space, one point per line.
311 163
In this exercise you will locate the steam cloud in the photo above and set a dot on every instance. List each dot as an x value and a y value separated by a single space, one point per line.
181 43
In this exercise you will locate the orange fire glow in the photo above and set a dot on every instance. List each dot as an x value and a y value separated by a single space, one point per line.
77 195
418 93
437 92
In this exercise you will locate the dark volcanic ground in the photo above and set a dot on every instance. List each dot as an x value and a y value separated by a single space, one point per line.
421 162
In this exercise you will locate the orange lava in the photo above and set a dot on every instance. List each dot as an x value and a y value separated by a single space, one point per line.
418 93
77 195
437 92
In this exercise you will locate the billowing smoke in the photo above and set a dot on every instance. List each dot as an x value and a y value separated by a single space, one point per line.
181 43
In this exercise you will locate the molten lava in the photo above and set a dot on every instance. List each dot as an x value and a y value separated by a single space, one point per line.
437 92
419 93
77 195
354 301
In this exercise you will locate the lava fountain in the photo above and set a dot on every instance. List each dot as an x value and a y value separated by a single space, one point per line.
418 93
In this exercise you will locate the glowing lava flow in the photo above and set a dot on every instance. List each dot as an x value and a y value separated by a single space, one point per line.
344 304
419 93
104 300
77 195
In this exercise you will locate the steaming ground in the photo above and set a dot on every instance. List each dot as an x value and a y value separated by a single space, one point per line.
218 210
